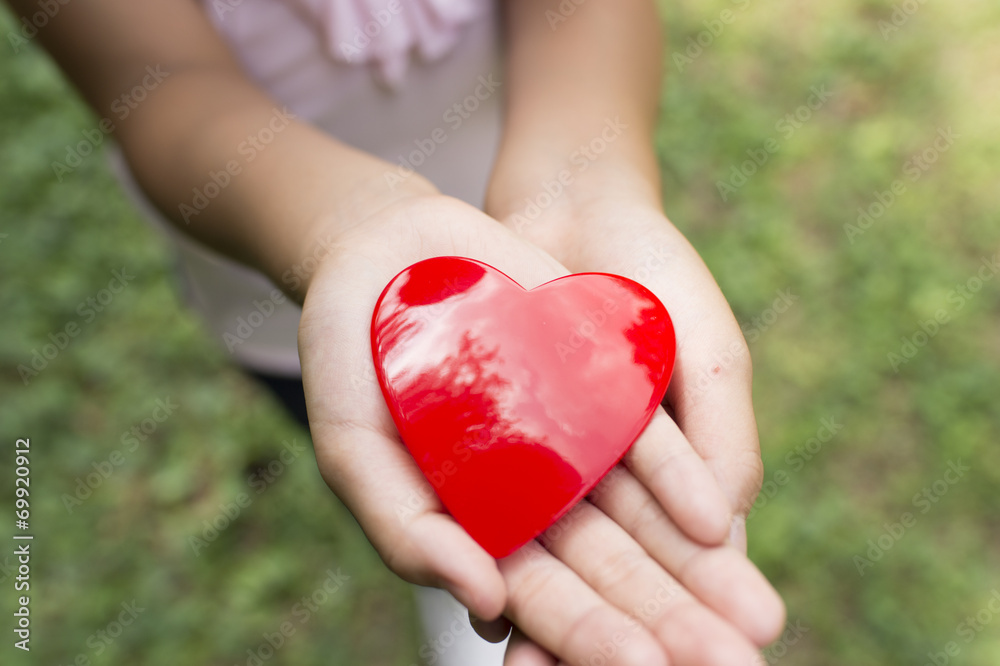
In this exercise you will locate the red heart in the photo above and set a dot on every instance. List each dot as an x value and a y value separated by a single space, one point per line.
515 403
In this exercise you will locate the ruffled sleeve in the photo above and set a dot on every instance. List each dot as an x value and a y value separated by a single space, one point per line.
386 34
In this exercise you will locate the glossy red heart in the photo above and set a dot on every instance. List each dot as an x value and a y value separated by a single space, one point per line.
515 403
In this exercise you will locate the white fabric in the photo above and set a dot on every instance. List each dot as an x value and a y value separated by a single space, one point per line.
450 639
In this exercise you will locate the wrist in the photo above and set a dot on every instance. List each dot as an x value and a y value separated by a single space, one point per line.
330 238
554 207
321 237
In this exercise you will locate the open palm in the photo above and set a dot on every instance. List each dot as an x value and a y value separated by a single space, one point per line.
641 561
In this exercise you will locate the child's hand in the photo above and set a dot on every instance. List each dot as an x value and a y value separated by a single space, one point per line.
575 596
585 585
710 393
709 399
577 175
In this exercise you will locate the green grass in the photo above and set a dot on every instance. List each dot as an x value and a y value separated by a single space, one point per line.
826 357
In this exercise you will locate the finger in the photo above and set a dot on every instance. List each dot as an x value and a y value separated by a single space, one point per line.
494 631
710 392
522 651
713 405
567 617
618 569
664 461
720 577
711 389
402 517
358 449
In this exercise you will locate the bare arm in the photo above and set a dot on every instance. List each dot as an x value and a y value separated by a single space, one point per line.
577 176
582 102
568 77
193 123
304 185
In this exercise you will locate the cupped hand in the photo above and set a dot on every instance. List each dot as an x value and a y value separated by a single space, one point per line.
709 396
575 590
707 419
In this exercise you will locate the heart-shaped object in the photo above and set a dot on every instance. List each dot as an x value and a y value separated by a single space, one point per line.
515 403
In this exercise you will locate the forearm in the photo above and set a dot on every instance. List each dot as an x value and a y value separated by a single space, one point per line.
287 185
210 148
582 94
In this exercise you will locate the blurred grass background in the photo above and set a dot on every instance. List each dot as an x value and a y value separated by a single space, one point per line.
826 357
